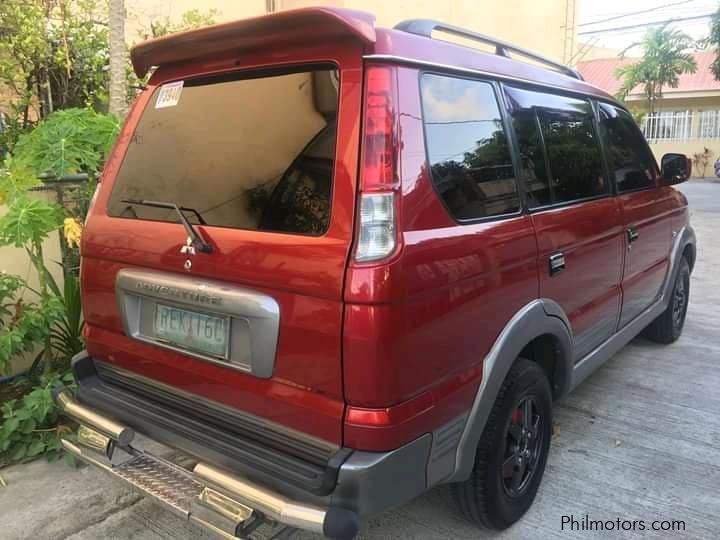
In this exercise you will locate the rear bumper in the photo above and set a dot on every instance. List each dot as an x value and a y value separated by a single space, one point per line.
362 483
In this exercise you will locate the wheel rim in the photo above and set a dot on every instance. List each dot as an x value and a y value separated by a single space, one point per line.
523 447
679 303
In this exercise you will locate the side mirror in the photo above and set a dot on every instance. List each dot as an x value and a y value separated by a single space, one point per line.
675 168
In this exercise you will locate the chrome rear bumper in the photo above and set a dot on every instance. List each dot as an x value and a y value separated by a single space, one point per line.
219 501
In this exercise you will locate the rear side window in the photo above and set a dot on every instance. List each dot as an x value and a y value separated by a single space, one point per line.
533 163
246 153
558 146
629 159
467 146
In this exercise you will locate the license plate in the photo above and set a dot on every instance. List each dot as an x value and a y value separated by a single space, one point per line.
191 330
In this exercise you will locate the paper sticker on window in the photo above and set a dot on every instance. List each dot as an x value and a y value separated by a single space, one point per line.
169 95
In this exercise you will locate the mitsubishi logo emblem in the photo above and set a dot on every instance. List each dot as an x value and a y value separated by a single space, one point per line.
188 248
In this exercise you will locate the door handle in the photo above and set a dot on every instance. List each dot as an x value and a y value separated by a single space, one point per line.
632 234
556 263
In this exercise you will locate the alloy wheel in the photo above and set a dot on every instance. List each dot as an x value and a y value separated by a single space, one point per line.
679 303
523 447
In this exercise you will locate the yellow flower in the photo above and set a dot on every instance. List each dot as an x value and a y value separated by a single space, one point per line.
73 231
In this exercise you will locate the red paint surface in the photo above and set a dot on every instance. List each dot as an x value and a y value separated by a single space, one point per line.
590 235
304 274
420 322
372 355
646 263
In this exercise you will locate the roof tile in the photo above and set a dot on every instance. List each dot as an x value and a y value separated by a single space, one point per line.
601 73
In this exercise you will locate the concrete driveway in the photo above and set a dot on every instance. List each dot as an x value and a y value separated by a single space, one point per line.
639 440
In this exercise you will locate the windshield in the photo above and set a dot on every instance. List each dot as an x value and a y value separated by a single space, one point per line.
247 153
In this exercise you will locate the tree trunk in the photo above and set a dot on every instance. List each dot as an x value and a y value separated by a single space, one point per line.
118 55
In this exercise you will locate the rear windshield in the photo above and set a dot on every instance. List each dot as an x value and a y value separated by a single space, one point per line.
245 153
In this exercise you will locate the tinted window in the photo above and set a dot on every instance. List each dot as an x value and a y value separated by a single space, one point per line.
252 153
468 148
532 157
574 155
629 159
565 164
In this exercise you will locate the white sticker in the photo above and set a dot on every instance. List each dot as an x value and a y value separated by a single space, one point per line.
169 95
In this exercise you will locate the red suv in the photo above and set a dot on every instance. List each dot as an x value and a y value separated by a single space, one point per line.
337 265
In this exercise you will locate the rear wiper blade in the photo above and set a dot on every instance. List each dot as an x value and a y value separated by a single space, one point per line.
171 206
196 237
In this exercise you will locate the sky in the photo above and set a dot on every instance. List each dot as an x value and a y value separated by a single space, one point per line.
625 13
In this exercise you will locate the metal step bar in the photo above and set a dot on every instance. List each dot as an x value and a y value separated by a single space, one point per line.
217 500
425 28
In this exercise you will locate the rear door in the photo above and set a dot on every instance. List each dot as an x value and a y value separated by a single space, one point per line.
646 210
577 221
261 155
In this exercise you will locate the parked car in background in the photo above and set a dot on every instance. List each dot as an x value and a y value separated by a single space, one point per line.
341 271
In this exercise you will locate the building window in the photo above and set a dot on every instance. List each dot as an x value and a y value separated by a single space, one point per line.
668 125
710 124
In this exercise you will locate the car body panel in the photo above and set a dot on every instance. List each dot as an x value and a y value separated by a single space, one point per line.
590 236
384 356
304 274
649 213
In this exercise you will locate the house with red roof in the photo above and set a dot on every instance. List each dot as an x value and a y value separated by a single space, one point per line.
687 118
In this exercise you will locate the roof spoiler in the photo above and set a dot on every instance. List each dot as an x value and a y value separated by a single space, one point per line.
285 26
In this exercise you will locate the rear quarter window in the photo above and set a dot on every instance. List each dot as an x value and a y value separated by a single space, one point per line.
467 147
244 152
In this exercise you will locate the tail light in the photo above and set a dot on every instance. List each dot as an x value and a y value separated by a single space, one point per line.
377 230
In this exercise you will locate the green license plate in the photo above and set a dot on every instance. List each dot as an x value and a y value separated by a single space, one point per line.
192 330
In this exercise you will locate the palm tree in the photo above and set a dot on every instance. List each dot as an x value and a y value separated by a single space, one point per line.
118 60
665 57
714 40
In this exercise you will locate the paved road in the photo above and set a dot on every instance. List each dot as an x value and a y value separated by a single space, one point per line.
640 439
703 195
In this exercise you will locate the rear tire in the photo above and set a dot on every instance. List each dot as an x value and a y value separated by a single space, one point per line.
669 325
509 464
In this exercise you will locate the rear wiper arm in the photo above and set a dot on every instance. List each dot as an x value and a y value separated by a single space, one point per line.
196 237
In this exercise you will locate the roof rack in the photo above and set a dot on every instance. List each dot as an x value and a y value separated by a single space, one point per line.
425 28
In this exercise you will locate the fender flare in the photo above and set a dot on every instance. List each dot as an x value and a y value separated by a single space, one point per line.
683 238
537 318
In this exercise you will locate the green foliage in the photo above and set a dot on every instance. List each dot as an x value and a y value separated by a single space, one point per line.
29 221
26 325
714 40
53 55
638 115
73 140
13 127
67 142
10 287
665 58
15 181
66 334
189 20
53 60
30 425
